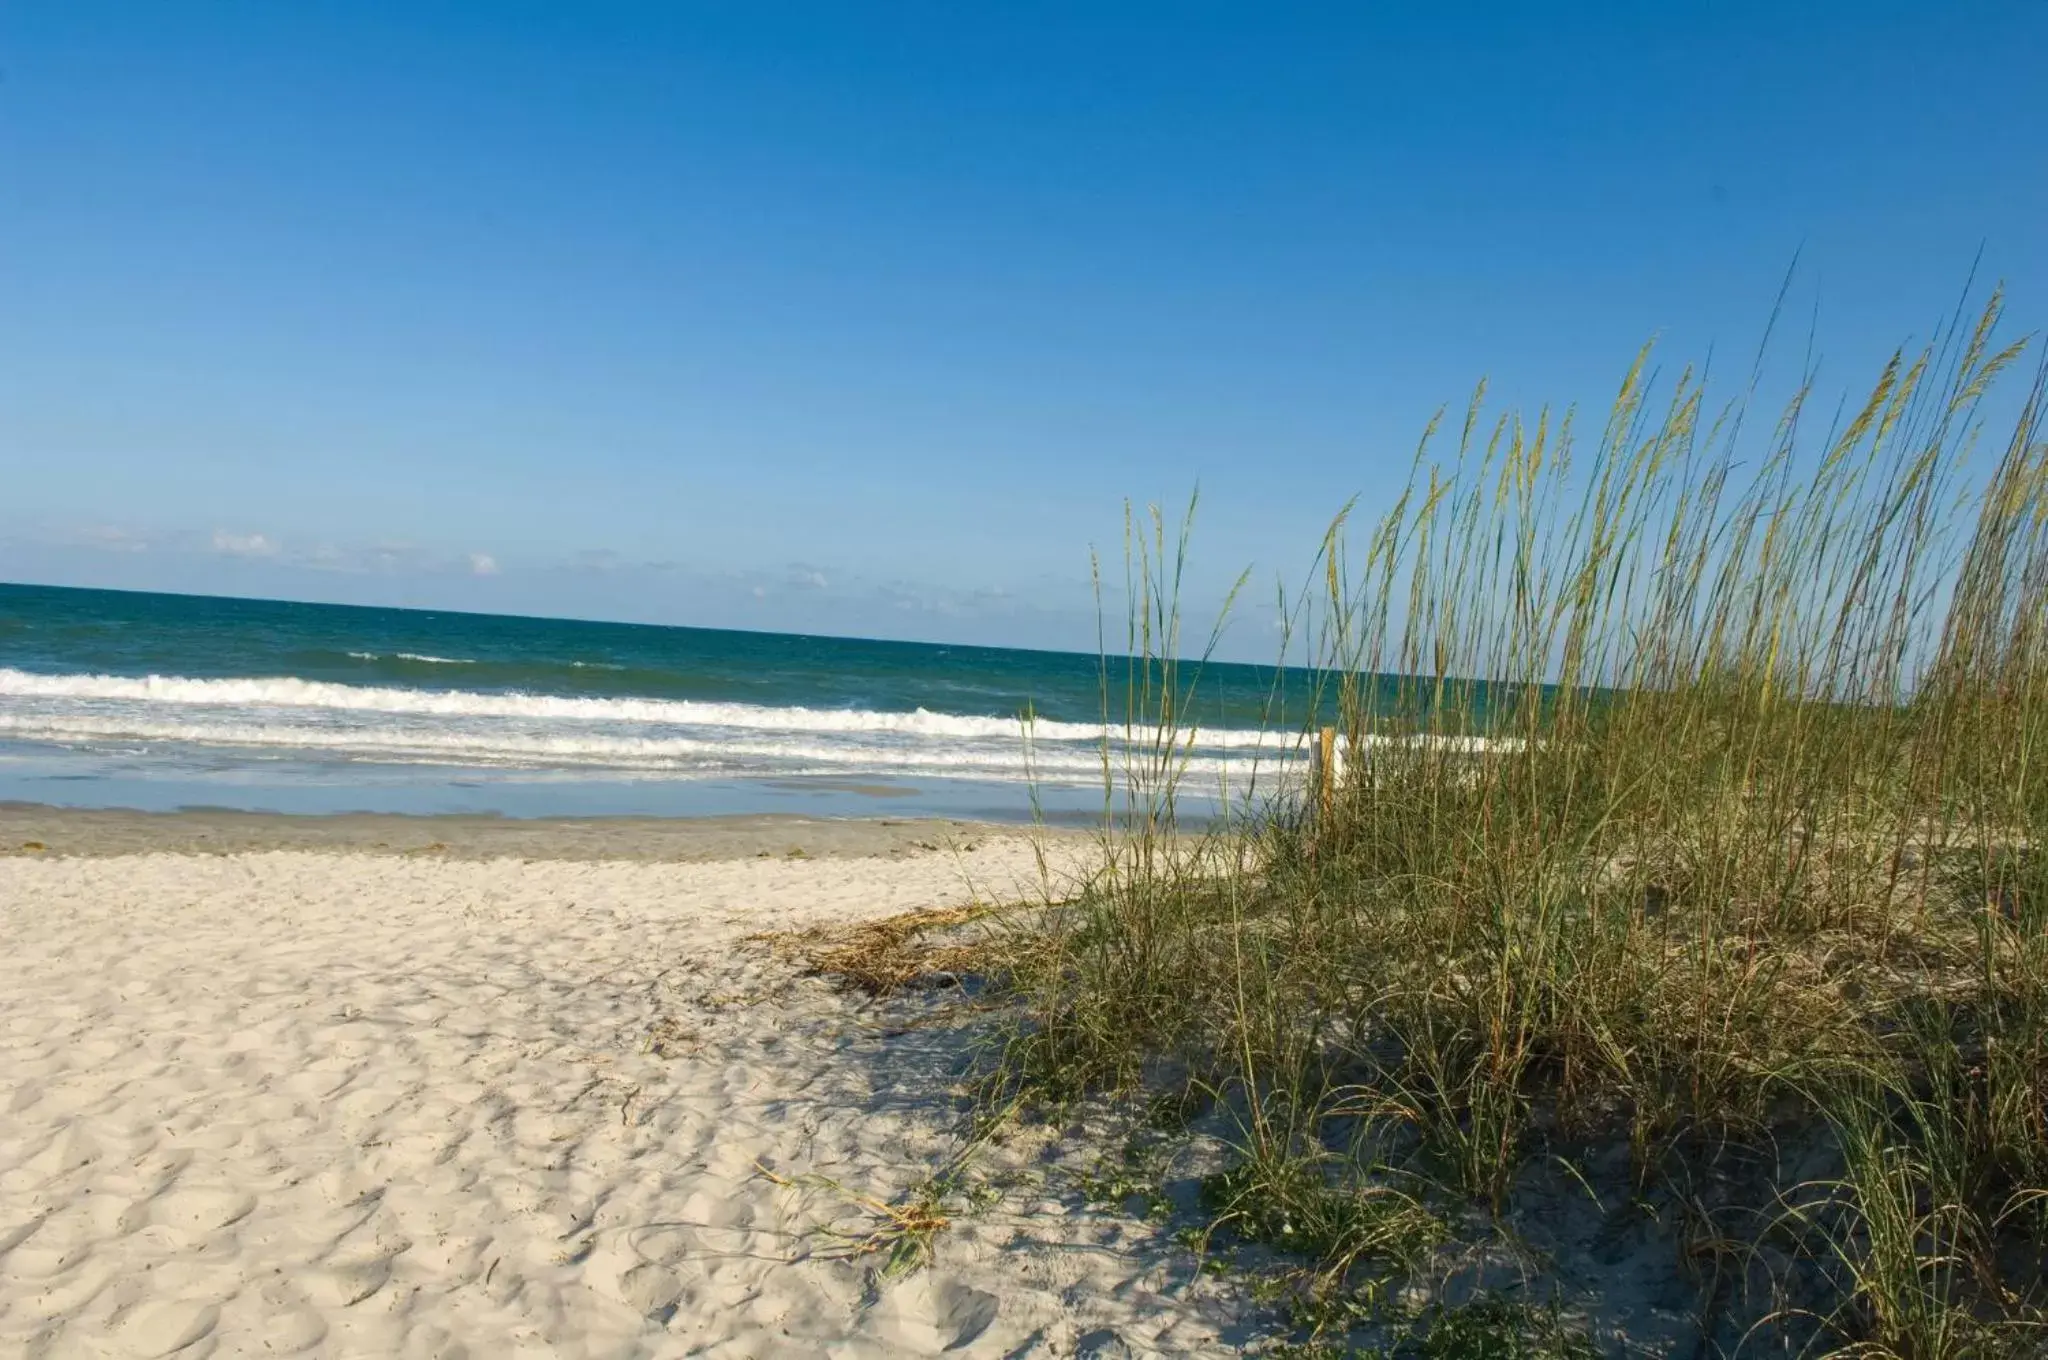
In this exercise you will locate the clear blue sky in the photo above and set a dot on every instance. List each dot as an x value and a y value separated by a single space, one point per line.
865 318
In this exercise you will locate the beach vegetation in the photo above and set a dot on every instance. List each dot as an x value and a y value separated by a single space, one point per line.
1678 880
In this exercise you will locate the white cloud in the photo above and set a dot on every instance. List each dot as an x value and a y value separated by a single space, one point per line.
244 545
482 564
916 598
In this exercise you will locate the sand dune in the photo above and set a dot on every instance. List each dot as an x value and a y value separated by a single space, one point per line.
357 1104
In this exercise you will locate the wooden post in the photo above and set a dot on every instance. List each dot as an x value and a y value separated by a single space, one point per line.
1326 775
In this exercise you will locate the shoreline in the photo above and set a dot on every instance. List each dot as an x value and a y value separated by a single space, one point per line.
45 830
39 780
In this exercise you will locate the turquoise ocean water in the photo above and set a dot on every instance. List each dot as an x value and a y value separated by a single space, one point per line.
156 701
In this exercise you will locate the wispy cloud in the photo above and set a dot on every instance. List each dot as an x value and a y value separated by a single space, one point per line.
327 557
917 597
797 578
387 557
244 545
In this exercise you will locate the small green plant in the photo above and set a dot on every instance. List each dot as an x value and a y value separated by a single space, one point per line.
1488 1328
1497 1329
1294 1204
1132 1180
1324 1308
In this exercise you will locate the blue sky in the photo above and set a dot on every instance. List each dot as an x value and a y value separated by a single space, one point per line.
866 318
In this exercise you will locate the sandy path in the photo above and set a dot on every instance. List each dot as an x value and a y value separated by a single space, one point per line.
328 1104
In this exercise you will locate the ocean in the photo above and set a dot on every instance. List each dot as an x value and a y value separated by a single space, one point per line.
124 699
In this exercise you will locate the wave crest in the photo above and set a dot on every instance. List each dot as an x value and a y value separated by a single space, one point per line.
289 692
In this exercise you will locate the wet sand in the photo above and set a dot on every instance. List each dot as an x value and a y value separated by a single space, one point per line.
36 829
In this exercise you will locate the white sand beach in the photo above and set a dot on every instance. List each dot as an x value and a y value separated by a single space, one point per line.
346 1103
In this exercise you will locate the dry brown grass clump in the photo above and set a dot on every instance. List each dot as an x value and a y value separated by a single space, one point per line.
915 948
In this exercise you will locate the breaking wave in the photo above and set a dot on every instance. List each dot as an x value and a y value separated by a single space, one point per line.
279 715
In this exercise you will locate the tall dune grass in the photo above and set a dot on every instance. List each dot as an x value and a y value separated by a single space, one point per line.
1750 850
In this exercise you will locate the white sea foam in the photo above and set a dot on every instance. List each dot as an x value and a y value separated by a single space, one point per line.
678 754
666 754
414 656
291 693
279 716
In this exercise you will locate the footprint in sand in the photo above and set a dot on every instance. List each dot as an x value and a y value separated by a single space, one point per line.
48 1249
291 1329
341 1283
111 1215
652 1289
14 1234
197 1213
923 1314
162 1326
